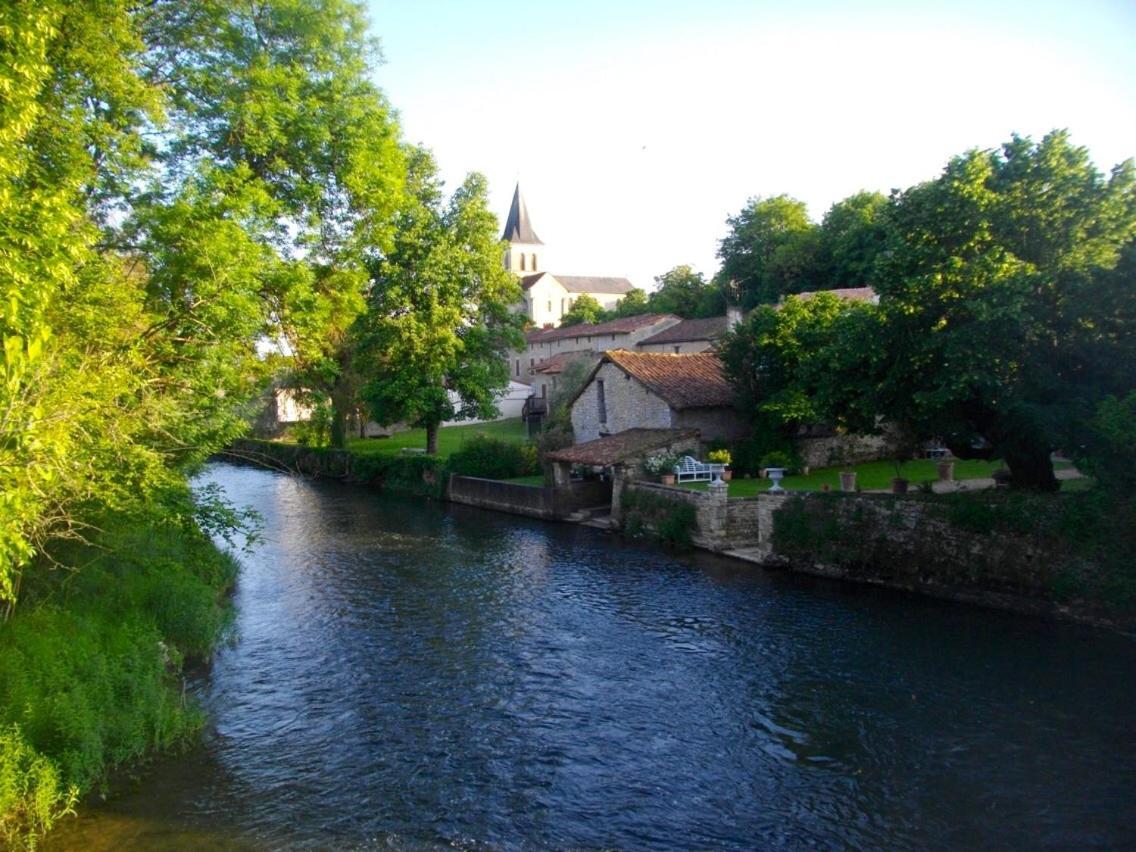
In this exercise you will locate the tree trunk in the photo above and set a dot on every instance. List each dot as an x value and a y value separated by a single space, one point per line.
432 439
339 408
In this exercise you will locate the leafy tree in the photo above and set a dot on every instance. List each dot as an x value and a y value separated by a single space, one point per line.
1007 302
278 93
772 250
633 303
686 293
853 234
438 318
584 309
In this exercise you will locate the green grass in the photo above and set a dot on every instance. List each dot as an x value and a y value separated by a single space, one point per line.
870 476
450 438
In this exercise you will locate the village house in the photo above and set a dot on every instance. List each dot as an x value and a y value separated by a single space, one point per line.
629 390
547 295
548 350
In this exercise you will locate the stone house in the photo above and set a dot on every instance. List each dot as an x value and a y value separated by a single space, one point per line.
630 390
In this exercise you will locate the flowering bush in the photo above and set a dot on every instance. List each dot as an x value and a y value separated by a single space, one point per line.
660 463
719 456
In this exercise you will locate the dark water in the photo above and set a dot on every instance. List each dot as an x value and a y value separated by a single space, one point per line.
409 675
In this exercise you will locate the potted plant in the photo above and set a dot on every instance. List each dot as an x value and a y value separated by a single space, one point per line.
722 457
946 469
904 452
662 465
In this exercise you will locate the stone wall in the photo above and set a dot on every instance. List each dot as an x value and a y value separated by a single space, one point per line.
713 424
628 405
532 500
842 449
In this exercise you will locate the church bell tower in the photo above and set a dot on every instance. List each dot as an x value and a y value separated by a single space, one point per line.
525 253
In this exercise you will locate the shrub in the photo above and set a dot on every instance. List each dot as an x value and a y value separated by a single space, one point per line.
671 520
660 463
719 456
492 458
777 459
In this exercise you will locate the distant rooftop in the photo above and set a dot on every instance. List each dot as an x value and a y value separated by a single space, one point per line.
621 447
686 331
518 227
623 325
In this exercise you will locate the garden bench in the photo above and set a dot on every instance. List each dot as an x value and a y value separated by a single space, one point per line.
689 469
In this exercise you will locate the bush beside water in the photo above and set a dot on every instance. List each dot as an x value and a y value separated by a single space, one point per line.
91 660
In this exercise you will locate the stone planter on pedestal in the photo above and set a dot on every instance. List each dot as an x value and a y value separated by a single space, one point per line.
847 480
776 474
946 471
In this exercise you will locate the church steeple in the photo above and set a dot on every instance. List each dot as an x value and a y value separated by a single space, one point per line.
518 227
521 256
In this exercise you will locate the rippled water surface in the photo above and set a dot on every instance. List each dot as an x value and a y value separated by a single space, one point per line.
412 675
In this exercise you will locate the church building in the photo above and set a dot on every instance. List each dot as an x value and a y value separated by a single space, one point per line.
548 296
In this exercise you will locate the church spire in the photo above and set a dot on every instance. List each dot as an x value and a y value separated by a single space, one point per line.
518 228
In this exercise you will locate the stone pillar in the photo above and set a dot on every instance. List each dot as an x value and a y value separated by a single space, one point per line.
618 479
561 473
712 520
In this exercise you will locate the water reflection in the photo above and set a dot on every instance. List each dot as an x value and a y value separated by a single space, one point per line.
411 676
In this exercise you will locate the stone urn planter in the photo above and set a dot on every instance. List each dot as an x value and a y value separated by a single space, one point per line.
899 485
776 474
847 480
727 475
946 471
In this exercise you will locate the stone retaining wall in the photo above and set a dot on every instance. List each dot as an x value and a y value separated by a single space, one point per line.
534 501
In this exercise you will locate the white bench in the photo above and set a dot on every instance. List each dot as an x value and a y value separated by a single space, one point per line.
689 469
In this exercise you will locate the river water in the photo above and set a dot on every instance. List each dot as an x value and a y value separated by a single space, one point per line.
410 675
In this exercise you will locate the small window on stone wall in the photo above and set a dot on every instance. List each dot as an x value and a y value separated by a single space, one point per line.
601 401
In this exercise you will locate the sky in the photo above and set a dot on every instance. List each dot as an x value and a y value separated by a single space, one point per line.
636 128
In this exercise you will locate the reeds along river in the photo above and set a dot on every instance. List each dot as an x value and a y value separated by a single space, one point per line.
410 674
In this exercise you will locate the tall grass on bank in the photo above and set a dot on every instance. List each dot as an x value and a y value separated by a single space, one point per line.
91 661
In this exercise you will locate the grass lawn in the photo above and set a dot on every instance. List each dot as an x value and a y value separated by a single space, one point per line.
450 438
870 476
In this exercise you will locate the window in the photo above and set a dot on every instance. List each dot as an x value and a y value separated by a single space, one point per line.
550 305
518 368
543 391
531 362
676 349
601 401
534 263
522 261
561 307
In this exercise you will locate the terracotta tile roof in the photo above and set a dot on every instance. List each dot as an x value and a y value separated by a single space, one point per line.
560 360
851 294
624 325
683 381
693 329
618 448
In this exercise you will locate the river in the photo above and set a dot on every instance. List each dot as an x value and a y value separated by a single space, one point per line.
413 675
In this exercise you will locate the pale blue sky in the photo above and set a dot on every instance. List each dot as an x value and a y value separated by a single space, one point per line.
636 128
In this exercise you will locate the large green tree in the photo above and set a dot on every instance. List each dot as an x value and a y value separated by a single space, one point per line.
686 293
853 234
771 251
438 320
278 95
1008 302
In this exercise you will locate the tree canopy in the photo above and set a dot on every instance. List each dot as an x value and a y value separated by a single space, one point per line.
438 319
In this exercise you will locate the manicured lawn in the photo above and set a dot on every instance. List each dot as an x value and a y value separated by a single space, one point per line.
450 438
870 476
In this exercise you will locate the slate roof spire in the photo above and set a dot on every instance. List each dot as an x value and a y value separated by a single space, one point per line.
518 227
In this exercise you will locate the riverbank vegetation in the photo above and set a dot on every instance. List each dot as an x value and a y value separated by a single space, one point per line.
179 183
92 662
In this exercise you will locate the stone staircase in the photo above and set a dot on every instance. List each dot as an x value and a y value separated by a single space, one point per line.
593 516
